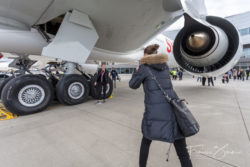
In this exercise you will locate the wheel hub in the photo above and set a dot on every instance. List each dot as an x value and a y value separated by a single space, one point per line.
31 95
76 90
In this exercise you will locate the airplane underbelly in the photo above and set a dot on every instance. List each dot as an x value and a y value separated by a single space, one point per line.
24 11
121 25
125 25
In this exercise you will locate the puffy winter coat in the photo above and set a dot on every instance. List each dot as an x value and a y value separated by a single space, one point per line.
159 122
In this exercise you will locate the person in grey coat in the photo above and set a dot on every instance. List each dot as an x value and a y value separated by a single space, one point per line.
159 122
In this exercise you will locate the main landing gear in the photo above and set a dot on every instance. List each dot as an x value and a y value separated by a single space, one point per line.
24 93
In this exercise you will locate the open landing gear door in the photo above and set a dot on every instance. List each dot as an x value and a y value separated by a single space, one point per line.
75 39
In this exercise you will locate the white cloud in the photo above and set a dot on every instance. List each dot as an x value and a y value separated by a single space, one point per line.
221 8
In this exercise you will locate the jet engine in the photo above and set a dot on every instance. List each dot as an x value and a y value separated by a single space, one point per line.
207 47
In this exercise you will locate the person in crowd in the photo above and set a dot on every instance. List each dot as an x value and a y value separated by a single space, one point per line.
225 78
180 74
243 75
114 75
247 73
210 80
239 74
230 74
204 81
235 74
158 122
198 79
174 73
102 82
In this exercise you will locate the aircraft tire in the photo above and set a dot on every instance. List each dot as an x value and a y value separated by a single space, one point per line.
27 94
72 89
3 82
53 81
96 89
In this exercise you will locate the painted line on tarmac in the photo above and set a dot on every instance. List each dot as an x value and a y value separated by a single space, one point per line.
218 160
242 115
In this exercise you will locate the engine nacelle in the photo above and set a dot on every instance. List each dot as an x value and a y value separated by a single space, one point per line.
208 48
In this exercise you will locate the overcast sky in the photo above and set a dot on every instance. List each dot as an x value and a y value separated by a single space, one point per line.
220 8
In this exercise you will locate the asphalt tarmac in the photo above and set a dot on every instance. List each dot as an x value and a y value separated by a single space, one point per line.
109 135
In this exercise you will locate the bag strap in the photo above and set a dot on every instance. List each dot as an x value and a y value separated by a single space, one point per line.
159 85
169 99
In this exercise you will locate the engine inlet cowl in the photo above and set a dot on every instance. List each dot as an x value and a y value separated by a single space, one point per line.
202 47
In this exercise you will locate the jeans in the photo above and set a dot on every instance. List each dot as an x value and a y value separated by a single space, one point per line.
114 82
102 88
180 147
210 80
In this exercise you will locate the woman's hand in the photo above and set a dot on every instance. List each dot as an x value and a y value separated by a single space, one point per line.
137 68
95 84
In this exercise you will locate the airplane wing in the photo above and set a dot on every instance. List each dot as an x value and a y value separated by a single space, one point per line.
195 8
121 25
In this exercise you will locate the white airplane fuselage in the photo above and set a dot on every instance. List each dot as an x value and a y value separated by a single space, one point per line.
166 47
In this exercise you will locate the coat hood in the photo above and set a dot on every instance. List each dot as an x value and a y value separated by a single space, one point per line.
156 61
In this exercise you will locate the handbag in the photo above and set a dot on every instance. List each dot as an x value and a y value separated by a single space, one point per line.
185 119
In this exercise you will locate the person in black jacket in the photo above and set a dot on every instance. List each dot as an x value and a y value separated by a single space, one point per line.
102 83
159 122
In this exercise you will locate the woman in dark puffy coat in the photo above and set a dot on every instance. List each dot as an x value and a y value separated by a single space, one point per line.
159 121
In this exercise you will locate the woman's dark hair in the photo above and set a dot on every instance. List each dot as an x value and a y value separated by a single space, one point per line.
151 49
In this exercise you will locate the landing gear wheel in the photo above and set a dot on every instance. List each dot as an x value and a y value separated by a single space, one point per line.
27 94
72 89
95 90
3 82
